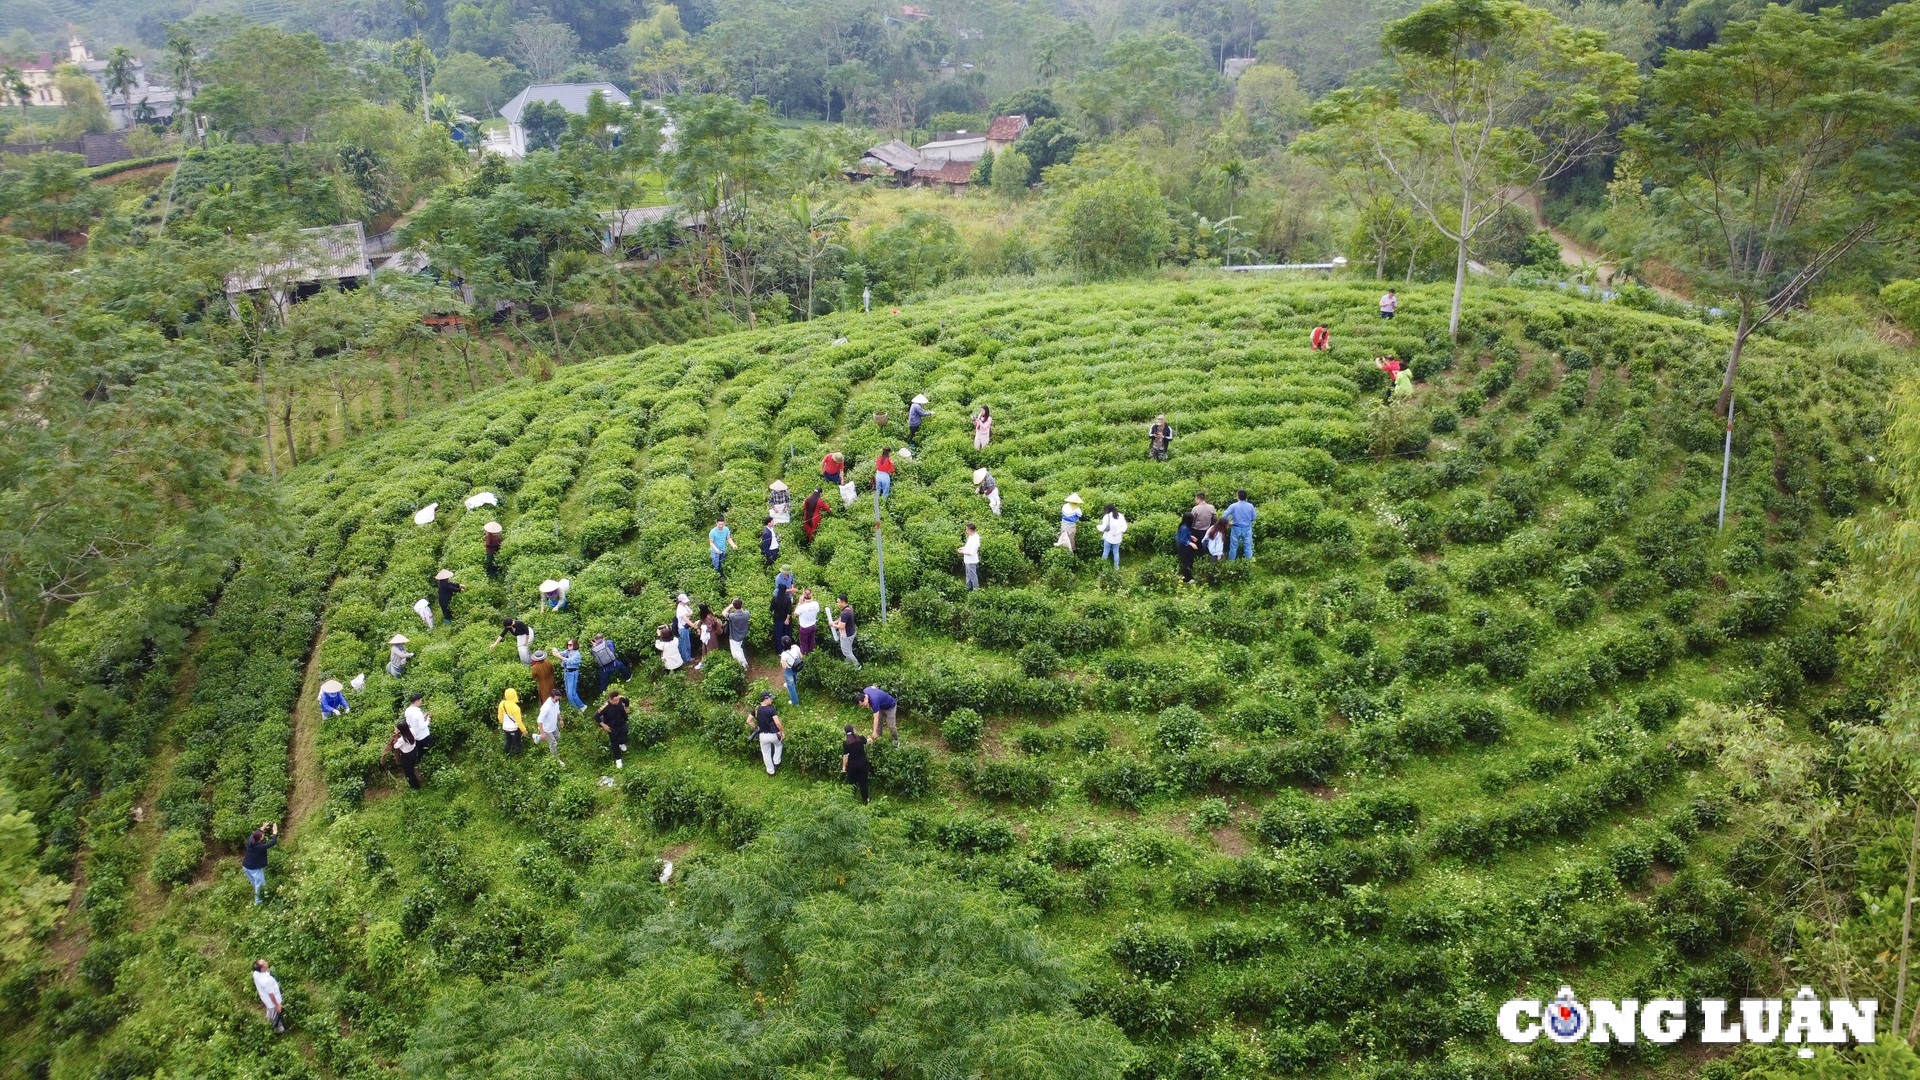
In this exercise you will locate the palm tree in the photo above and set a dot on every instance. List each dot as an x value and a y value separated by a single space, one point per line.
420 55
120 76
1236 173
815 235
181 63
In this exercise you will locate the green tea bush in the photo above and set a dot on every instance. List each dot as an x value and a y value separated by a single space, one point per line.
962 729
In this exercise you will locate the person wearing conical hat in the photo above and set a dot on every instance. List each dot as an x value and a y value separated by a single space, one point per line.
917 414
553 595
983 483
779 502
1070 515
444 582
543 674
397 655
333 699
493 533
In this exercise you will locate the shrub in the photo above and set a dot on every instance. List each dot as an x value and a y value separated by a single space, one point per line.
1124 782
1014 781
178 856
1038 659
1089 736
1179 728
1151 953
725 680
962 730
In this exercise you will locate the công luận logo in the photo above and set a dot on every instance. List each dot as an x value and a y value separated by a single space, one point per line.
1805 1019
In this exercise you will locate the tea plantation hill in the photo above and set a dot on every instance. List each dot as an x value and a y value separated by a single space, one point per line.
1319 815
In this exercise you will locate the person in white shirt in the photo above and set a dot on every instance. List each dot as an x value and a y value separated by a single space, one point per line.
550 724
553 594
1389 302
970 556
806 617
668 644
1113 526
683 624
419 724
790 660
268 988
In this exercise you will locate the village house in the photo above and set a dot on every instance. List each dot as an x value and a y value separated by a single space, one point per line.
569 96
143 101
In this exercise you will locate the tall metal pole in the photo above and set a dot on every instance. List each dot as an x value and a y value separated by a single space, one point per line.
879 554
1726 465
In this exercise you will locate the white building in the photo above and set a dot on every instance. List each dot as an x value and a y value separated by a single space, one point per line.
569 96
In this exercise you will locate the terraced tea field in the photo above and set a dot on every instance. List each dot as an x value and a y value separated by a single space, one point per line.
1317 814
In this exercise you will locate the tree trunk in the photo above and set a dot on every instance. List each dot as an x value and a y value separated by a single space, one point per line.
1740 335
266 417
286 424
1460 270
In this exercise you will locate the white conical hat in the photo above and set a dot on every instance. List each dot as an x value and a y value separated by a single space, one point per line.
549 585
444 575
485 498
397 639
919 399
331 686
979 475
1074 498
491 526
777 485
425 516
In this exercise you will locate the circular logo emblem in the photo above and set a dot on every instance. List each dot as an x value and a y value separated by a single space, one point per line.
1565 1019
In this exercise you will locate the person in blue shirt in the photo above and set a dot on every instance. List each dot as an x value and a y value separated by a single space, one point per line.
784 579
917 414
885 708
1239 515
719 542
570 672
333 699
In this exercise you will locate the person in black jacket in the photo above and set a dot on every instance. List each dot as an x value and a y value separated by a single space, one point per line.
254 861
769 541
853 761
613 720
445 585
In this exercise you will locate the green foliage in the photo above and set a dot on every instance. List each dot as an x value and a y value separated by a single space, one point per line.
962 730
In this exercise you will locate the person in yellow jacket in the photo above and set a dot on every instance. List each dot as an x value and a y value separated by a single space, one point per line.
510 721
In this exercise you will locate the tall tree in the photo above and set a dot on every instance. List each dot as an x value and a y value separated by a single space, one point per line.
717 171
120 71
543 47
269 84
1486 100
1778 150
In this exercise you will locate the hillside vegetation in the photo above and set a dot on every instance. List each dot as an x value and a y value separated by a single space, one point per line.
1313 816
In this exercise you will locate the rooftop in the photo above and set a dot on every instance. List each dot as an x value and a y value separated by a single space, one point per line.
569 96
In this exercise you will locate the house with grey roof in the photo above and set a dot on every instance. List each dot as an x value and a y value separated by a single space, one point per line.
569 96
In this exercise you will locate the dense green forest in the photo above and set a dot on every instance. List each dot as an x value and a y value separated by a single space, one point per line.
1579 655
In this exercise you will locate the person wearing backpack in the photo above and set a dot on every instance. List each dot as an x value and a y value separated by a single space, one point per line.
608 660
790 660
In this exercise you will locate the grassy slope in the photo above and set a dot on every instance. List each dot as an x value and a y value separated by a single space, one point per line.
368 923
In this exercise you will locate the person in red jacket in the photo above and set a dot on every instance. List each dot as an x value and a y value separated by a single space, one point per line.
832 467
1322 340
810 512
